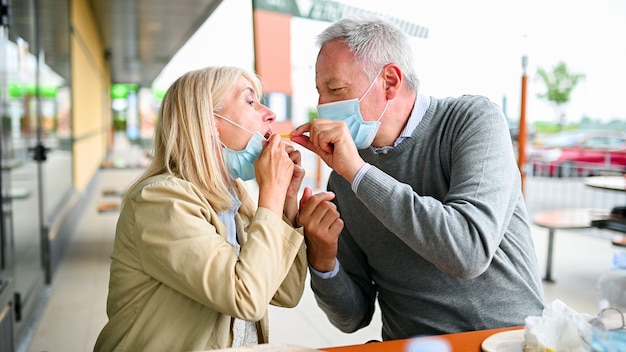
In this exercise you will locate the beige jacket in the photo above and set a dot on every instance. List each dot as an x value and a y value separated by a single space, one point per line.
176 283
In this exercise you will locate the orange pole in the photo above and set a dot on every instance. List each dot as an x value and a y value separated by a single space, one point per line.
522 135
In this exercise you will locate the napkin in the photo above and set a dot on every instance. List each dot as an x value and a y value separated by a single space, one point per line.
559 328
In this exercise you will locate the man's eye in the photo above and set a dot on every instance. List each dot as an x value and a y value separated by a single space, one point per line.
251 102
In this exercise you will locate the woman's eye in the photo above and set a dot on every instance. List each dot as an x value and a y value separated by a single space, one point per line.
251 102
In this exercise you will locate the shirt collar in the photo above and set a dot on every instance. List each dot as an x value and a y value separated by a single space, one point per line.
422 102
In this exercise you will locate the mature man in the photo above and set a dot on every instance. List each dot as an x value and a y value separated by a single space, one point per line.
436 226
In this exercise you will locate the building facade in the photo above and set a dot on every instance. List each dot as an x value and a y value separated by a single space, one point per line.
56 118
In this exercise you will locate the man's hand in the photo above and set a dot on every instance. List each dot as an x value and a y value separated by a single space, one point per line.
331 140
322 226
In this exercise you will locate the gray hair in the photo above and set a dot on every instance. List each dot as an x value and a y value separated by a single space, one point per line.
375 43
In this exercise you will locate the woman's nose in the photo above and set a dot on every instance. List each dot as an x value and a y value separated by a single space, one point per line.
269 115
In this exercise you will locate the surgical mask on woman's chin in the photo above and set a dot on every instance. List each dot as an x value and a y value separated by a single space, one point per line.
240 163
349 111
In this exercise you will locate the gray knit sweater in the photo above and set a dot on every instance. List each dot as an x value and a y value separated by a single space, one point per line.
438 231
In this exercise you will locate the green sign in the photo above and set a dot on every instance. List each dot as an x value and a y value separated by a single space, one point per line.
48 91
121 90
158 94
330 11
20 90
17 90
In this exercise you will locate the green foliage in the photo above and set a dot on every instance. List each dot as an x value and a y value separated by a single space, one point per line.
545 127
559 82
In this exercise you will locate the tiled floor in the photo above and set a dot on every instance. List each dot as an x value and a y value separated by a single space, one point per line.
75 310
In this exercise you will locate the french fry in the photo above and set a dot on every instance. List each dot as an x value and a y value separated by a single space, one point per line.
285 135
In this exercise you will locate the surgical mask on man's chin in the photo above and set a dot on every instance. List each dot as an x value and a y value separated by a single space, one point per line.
348 111
240 163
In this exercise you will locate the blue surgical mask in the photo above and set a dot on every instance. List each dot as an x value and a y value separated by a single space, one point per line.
349 111
240 164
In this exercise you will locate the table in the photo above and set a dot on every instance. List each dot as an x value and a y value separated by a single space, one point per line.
564 219
614 183
617 220
459 342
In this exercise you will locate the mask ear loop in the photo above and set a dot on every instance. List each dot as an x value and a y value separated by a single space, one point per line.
383 113
236 124
371 85
367 91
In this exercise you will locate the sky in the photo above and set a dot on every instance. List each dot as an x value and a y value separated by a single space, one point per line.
473 47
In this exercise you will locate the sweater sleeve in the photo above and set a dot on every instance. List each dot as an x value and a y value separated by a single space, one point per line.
347 298
463 193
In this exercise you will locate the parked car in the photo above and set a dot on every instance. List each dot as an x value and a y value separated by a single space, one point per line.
579 153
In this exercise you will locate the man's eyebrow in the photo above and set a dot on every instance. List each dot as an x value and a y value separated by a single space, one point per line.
335 81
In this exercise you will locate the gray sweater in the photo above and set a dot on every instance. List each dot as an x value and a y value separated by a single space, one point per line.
438 231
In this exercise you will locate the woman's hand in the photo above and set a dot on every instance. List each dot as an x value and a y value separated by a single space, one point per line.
274 171
291 198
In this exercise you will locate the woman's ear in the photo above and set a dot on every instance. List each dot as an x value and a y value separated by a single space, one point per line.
392 76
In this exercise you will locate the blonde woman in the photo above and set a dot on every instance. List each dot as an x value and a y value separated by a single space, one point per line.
196 262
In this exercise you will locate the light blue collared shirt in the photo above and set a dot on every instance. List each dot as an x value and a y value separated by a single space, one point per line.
422 102
228 218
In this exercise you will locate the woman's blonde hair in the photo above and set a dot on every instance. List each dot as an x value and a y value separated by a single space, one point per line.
186 141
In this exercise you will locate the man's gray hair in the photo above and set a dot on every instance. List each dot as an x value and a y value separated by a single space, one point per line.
375 43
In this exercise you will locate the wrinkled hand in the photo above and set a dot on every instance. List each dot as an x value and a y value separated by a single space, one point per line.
322 227
291 197
331 140
298 171
274 171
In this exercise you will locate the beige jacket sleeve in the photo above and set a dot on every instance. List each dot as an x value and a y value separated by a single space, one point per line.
183 245
288 294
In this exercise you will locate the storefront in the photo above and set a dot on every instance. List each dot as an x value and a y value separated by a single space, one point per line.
36 151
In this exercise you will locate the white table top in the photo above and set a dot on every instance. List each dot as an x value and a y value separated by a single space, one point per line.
616 183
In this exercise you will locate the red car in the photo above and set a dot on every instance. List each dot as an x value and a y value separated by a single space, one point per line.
579 153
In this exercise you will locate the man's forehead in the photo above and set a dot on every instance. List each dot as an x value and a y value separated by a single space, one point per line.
337 75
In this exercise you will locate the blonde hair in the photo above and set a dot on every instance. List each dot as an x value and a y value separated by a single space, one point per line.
186 143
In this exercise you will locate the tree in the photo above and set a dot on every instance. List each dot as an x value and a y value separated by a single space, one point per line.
560 83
